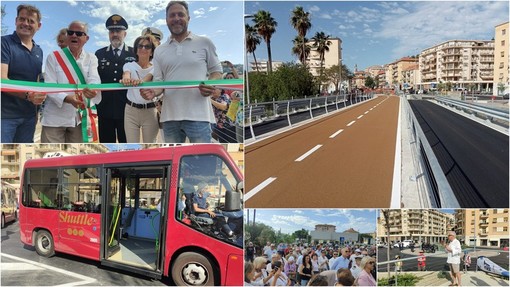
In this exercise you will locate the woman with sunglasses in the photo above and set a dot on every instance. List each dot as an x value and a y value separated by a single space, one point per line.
365 278
140 114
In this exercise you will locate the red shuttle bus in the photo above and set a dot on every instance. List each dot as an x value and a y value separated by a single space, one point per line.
133 210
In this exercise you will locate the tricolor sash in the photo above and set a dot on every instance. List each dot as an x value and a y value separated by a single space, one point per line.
88 114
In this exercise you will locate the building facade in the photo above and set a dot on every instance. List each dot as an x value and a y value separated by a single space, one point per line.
463 63
14 156
261 66
420 225
483 227
501 60
327 233
332 57
394 72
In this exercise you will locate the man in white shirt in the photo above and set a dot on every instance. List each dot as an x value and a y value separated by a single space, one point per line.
454 251
186 113
61 122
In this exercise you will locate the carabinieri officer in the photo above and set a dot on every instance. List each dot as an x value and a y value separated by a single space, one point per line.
111 60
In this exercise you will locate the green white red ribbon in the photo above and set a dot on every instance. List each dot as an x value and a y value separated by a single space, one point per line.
24 86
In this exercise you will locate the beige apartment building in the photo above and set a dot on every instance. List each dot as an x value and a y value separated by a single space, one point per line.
410 77
395 72
14 156
483 227
262 66
464 63
331 58
501 59
420 225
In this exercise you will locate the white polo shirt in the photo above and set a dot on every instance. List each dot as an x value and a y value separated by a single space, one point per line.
193 59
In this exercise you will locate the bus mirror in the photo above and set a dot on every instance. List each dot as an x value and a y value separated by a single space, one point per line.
240 187
232 201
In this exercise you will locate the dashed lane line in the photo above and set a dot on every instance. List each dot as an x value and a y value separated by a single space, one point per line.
350 124
335 134
259 188
366 112
309 152
360 117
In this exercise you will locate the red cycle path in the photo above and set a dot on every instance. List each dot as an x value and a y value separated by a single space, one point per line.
351 168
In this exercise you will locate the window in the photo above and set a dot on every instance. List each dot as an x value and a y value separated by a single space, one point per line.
207 182
41 188
502 42
503 32
80 189
502 54
501 65
73 189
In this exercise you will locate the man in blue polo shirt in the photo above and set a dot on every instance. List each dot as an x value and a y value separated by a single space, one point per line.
21 60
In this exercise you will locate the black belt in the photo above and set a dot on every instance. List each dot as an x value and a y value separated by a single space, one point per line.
142 106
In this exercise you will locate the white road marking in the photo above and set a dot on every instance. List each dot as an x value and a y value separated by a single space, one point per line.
350 124
308 153
366 112
84 279
360 117
258 188
16 266
335 134
395 193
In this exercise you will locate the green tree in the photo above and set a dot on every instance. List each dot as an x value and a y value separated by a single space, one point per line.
369 82
300 48
252 40
501 88
300 20
266 26
260 233
321 43
302 234
289 81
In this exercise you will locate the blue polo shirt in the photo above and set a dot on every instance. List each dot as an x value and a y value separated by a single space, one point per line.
24 65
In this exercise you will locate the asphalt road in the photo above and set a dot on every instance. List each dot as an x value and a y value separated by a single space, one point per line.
343 160
435 261
473 157
22 266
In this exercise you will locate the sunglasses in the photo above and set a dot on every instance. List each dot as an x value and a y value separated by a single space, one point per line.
146 47
78 33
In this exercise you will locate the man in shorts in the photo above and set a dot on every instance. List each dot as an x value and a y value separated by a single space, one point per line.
454 251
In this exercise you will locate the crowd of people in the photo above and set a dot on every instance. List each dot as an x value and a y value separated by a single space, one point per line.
326 264
196 115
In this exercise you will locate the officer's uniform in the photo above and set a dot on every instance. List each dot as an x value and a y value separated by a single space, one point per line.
111 109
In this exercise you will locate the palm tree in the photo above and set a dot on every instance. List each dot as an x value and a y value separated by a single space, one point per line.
300 20
321 43
300 48
266 26
252 41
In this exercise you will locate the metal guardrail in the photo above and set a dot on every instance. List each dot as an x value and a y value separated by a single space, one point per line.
442 194
260 112
491 113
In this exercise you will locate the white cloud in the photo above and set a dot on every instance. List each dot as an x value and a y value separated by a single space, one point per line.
72 2
213 9
424 25
314 8
199 12
325 16
298 211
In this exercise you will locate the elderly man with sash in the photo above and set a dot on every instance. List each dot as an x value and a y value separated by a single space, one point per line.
71 117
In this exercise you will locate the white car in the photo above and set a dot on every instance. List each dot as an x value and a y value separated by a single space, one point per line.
405 244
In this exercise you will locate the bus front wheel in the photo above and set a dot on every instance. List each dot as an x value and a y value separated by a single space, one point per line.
44 244
192 269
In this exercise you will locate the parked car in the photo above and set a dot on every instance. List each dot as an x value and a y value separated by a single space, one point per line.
405 243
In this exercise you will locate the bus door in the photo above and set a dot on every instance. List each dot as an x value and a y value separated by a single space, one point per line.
135 217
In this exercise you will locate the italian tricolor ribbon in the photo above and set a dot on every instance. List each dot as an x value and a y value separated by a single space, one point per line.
24 86
88 113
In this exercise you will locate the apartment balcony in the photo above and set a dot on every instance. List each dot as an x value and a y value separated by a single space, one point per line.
10 163
484 223
487 60
483 233
484 215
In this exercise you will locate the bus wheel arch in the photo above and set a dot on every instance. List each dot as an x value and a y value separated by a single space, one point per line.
44 243
194 266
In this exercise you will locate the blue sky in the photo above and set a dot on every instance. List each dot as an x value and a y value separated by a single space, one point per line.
378 33
290 220
222 21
